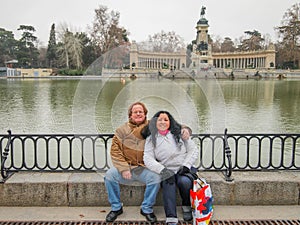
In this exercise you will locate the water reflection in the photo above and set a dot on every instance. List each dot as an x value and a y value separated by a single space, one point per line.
97 105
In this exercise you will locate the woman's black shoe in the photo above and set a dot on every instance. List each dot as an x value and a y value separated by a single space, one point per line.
187 216
112 215
149 216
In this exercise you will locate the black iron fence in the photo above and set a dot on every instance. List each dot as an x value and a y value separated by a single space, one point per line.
90 152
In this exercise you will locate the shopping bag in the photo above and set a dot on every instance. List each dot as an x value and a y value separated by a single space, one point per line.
201 202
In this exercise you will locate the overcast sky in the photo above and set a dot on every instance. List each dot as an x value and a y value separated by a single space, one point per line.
227 18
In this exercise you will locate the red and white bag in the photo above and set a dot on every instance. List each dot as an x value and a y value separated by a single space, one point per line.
201 202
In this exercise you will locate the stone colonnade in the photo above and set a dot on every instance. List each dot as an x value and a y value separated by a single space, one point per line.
235 60
244 60
156 60
158 63
241 63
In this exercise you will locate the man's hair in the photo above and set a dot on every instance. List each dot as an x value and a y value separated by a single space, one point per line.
137 103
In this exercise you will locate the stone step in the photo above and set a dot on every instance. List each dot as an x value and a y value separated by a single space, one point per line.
87 189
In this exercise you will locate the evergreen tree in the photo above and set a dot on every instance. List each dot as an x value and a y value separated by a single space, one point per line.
27 52
253 43
227 45
52 48
8 46
88 50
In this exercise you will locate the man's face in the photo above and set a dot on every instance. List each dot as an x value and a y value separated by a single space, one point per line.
137 114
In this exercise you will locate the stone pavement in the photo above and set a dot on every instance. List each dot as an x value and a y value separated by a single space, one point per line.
131 213
82 197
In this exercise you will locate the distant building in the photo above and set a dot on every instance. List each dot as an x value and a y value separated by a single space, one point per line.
11 71
202 55
156 60
263 59
2 71
34 72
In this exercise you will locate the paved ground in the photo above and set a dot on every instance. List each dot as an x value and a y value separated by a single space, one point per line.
287 212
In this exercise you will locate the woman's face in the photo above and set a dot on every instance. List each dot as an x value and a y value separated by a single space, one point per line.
163 122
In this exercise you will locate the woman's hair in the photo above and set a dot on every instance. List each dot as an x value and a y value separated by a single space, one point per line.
175 127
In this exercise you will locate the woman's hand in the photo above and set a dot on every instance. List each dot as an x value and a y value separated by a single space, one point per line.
168 175
183 170
126 174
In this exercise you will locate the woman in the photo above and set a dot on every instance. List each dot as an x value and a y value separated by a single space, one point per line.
168 155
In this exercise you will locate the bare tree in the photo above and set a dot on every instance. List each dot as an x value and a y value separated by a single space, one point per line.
166 42
106 33
289 32
267 40
75 50
63 45
216 44
70 47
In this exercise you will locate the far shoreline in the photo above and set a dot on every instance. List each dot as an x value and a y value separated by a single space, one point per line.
178 74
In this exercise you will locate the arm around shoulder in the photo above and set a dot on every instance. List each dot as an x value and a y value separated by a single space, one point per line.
186 132
192 153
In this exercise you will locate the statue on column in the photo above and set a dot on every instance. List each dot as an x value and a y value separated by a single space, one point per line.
202 11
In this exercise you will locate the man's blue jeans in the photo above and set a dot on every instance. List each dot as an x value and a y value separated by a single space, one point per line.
113 179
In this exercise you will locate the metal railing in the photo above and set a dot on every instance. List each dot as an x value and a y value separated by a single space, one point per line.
4 155
90 152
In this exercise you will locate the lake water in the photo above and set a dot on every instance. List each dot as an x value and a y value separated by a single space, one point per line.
91 105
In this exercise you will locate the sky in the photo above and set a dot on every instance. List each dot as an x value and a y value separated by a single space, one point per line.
230 18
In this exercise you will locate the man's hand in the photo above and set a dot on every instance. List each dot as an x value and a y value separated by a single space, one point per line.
126 174
185 133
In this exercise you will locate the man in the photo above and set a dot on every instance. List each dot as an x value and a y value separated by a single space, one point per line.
127 150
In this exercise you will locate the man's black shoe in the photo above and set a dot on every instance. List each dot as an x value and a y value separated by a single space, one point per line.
112 215
149 216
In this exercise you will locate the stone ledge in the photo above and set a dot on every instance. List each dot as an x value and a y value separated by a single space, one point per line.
87 189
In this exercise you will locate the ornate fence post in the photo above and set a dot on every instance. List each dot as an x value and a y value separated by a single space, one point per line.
5 153
227 150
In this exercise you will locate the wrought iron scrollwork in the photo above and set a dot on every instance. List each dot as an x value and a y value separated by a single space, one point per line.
5 153
228 170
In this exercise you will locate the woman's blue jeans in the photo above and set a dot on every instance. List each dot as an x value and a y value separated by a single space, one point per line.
113 179
184 185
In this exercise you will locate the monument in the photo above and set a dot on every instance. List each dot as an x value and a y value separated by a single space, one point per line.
201 55
202 58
